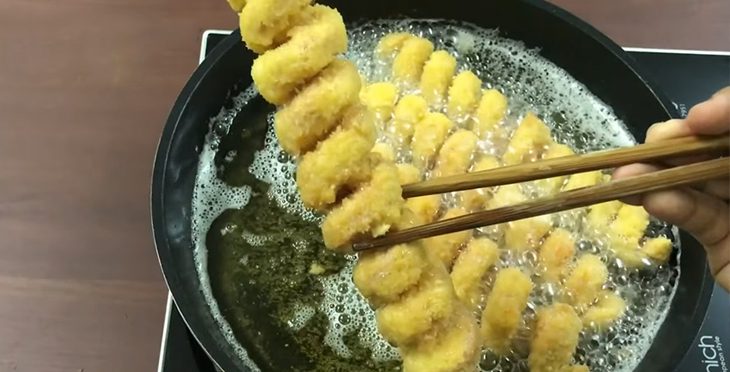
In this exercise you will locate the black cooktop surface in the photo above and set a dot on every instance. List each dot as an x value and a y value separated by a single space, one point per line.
687 78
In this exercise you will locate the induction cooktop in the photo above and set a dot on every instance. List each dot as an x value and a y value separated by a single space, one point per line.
686 76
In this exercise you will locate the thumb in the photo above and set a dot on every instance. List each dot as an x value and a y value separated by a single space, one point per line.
712 116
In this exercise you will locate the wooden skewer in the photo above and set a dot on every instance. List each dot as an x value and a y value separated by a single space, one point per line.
664 179
569 165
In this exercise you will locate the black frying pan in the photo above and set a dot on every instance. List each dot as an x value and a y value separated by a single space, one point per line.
586 54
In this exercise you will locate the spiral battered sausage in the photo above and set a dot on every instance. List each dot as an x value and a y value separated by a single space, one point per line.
608 308
456 154
323 119
380 99
320 117
477 115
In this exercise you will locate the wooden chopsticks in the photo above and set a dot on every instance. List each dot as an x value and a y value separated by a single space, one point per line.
569 165
664 179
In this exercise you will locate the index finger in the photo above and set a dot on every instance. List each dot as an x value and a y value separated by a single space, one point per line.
712 116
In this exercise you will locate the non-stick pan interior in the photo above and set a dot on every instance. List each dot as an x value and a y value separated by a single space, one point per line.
567 42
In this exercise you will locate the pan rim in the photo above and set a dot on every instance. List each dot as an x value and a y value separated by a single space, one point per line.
157 195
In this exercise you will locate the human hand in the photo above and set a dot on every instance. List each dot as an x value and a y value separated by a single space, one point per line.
703 210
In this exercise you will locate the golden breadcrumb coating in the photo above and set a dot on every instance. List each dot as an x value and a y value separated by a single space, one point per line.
551 186
658 249
528 141
463 95
473 263
323 172
408 173
408 63
526 234
428 136
581 180
555 254
507 195
265 23
419 309
371 210
408 112
384 274
318 108
391 43
313 44
491 111
385 151
445 247
436 77
477 199
609 308
601 215
380 98
556 336
586 280
456 154
451 347
503 311
424 208
626 231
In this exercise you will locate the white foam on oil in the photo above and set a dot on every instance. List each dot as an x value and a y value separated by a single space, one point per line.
302 314
348 312
576 117
211 197
273 166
